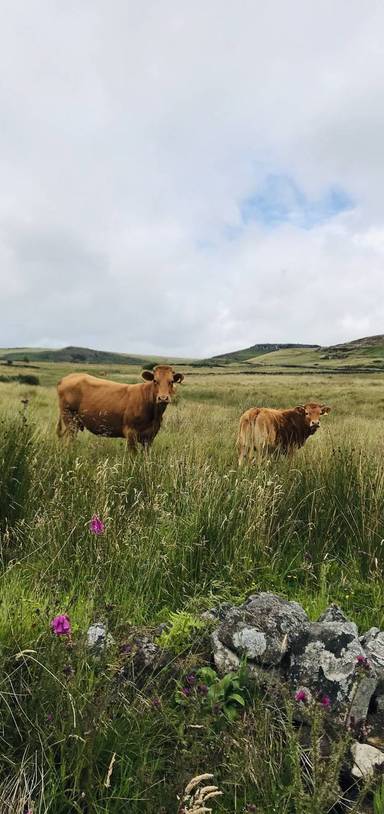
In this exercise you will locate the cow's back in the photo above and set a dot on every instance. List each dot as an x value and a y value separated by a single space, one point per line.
258 431
99 404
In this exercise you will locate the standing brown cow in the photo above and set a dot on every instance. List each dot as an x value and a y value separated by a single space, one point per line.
131 411
263 429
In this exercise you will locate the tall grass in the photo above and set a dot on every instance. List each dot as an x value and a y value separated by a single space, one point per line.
184 529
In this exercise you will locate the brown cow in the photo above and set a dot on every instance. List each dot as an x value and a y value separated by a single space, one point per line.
265 430
131 411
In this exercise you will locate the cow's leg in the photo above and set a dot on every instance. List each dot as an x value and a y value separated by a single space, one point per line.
242 455
68 424
130 436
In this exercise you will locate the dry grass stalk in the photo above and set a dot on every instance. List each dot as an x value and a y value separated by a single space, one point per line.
195 797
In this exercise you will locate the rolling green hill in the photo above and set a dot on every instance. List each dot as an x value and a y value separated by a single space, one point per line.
248 354
359 355
71 354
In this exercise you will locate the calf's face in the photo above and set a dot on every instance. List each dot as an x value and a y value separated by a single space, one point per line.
312 413
163 378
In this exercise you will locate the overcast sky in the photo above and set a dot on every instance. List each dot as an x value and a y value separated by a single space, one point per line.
191 177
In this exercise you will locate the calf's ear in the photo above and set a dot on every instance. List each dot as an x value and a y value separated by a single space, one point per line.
178 377
147 375
300 409
325 410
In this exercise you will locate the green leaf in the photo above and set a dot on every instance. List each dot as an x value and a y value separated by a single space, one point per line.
236 697
207 675
230 712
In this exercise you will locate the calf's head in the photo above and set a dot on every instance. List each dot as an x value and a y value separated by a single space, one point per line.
311 413
163 378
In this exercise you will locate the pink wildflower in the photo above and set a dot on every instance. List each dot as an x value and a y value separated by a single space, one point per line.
325 701
301 696
362 661
96 525
61 625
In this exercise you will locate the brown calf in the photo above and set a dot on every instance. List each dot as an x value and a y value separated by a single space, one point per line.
263 429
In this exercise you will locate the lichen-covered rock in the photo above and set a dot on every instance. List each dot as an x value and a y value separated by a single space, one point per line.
373 644
366 759
217 613
226 661
146 653
334 614
98 639
263 629
328 663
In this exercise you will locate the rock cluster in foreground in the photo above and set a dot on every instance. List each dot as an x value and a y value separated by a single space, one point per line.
323 659
326 658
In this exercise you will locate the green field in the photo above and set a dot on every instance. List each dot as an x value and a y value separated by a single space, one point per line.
184 529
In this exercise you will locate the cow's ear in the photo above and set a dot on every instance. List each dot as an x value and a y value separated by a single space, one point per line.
178 377
147 375
325 409
300 409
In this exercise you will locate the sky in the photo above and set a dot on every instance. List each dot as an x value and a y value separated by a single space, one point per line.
191 178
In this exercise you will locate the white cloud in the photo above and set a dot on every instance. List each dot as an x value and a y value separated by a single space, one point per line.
132 135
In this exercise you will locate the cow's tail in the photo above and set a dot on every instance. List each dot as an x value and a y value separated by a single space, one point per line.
245 438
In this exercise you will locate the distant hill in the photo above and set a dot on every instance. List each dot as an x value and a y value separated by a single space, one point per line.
253 351
71 354
372 346
359 355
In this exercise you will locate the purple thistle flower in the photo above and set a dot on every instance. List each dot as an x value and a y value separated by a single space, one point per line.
325 701
301 696
156 703
96 525
125 649
49 717
61 625
186 691
362 661
202 689
191 679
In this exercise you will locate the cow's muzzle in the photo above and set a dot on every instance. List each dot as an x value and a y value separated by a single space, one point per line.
163 399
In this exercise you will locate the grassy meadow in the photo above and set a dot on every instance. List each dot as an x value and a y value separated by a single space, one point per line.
184 529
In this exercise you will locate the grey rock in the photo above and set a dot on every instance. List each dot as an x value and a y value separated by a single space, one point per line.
263 629
97 637
365 760
335 614
147 653
218 613
327 664
373 644
226 661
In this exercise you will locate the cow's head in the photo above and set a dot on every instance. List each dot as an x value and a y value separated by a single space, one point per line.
311 413
163 378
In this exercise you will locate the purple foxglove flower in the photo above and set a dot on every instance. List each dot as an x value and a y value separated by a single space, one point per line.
61 625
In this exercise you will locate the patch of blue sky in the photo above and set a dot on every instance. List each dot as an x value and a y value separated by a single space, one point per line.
280 200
